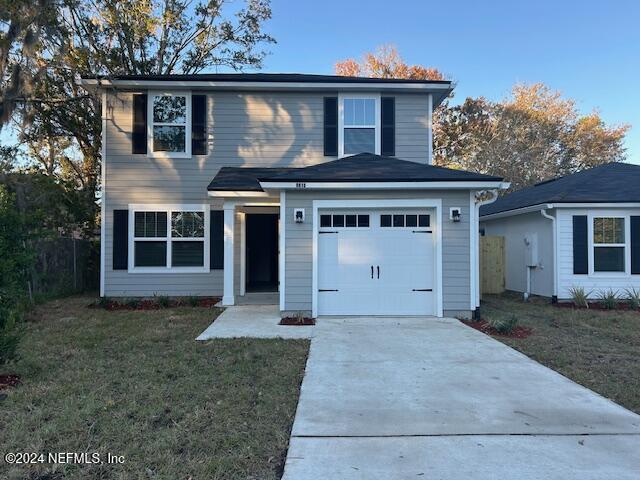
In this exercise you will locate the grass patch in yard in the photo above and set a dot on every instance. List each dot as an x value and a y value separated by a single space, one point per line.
598 349
137 384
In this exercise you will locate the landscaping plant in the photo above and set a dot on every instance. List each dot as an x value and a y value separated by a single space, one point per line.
503 324
579 297
163 301
633 298
609 299
193 301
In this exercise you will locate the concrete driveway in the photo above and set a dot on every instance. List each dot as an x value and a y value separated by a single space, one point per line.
431 398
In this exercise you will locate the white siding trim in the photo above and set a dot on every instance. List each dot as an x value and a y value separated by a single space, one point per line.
430 128
383 185
282 253
380 203
474 246
243 253
229 226
103 206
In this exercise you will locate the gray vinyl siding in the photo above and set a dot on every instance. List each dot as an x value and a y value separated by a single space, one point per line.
514 229
244 129
455 246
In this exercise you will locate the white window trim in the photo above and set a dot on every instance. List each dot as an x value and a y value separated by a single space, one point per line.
626 244
168 208
187 133
341 125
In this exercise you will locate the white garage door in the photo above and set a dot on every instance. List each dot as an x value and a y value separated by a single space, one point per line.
376 262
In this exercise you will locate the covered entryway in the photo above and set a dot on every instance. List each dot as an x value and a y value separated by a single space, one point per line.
376 262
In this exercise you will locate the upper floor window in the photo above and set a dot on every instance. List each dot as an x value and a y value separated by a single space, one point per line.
359 125
169 128
609 244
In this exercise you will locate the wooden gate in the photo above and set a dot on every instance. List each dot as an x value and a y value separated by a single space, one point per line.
491 265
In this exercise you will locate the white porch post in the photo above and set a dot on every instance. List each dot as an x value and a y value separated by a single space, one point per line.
229 224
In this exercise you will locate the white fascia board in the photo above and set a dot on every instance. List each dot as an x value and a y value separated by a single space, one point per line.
548 206
269 86
236 193
381 185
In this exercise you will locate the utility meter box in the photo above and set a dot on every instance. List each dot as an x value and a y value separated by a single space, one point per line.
531 250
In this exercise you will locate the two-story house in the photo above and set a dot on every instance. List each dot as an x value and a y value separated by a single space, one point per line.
317 190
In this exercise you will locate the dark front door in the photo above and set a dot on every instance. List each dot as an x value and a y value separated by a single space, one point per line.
262 252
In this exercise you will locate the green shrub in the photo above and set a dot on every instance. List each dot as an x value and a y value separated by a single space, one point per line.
163 301
609 299
193 301
504 324
132 302
633 298
9 335
579 297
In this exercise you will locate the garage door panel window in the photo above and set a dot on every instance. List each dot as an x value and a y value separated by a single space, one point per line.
609 244
344 221
158 246
401 220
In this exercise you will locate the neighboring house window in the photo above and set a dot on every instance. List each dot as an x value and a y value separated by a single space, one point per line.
169 238
359 125
170 124
609 244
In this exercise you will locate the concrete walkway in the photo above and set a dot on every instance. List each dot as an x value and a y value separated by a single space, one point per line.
256 321
431 398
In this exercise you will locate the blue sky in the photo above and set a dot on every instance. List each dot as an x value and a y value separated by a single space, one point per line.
588 50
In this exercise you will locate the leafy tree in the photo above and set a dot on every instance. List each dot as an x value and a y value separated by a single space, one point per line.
23 24
531 136
385 62
119 37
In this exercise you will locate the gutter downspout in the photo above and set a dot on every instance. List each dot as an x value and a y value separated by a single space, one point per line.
476 240
543 212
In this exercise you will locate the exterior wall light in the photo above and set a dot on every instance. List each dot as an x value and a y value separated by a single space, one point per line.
298 215
455 213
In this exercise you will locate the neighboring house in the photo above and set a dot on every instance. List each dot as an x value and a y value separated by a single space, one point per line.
582 230
231 184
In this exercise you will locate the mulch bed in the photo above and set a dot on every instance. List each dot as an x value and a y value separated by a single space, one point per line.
596 306
9 380
295 321
482 326
150 304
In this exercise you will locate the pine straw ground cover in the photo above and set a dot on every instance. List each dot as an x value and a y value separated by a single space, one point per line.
136 384
596 348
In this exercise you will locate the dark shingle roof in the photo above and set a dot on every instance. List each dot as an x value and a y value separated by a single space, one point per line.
363 167
610 183
242 178
267 77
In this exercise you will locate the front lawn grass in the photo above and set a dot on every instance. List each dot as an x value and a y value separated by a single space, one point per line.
137 384
598 349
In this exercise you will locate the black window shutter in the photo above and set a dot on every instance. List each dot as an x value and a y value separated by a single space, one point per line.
216 240
139 134
635 245
330 126
388 117
580 245
120 239
198 125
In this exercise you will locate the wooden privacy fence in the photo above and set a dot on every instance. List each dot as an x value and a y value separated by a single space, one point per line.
492 264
